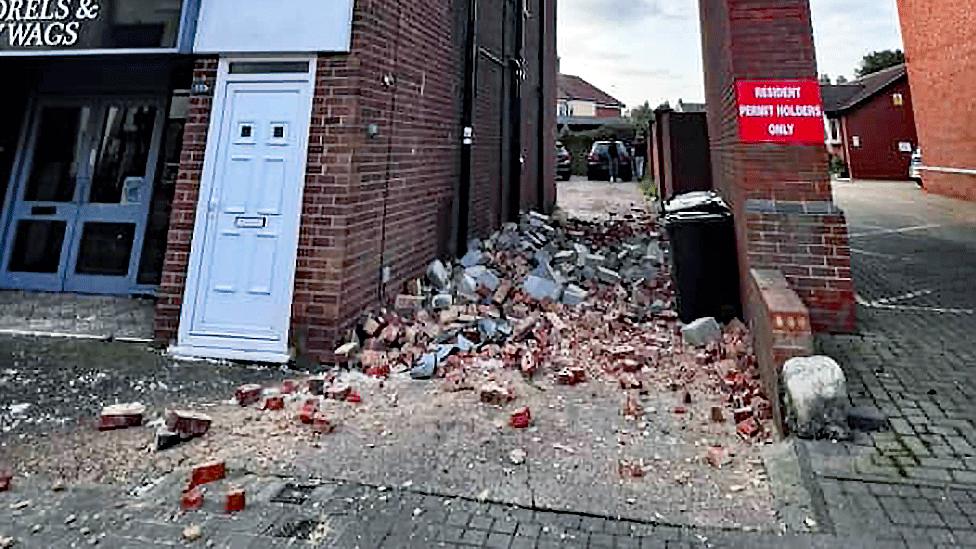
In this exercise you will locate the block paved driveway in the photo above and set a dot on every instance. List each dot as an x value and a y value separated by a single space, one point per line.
913 358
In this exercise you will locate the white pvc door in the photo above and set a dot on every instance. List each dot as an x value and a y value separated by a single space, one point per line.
246 234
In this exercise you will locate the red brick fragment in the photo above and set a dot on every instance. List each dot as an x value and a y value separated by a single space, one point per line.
274 403
354 397
187 424
308 411
207 473
235 501
571 376
247 395
521 419
632 407
6 477
741 414
631 469
680 410
338 391
191 499
748 429
717 457
382 370
121 416
289 386
322 424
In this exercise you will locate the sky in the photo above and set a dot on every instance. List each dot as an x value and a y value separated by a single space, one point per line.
650 50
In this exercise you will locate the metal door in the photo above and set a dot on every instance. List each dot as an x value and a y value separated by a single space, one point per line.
81 195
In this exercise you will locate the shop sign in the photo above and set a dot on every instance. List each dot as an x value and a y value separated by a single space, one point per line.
780 111
54 25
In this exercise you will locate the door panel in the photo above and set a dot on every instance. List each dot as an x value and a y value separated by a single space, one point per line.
45 207
111 216
78 219
243 290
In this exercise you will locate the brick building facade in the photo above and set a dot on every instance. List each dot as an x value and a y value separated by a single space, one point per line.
874 124
337 138
781 195
940 47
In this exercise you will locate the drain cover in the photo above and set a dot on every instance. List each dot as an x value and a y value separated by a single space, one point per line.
294 494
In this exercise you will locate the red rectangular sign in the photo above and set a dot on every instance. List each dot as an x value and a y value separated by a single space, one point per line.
780 111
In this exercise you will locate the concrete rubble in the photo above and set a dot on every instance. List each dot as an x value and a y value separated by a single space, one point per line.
816 398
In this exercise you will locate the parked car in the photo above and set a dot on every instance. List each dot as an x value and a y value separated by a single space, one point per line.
564 163
914 173
598 162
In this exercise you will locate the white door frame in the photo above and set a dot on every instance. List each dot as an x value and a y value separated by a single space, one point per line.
188 344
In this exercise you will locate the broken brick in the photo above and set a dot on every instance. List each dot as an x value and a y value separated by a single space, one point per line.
521 419
235 501
6 477
354 397
308 411
632 408
207 473
274 403
188 424
121 416
630 381
748 429
316 385
571 376
717 457
166 439
741 414
248 394
338 391
191 499
289 386
382 370
494 393
409 303
322 424
630 469
718 415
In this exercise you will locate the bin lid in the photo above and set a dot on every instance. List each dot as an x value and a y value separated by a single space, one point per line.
701 201
690 216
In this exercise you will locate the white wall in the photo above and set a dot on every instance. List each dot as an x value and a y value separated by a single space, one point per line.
274 26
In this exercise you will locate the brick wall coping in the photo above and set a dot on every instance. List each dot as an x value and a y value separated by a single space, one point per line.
813 207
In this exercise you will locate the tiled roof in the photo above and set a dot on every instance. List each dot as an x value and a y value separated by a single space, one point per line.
574 87
841 97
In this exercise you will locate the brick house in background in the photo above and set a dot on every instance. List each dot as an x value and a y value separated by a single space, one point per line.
871 124
579 99
268 174
940 48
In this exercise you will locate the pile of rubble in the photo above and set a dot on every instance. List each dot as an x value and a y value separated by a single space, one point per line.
564 299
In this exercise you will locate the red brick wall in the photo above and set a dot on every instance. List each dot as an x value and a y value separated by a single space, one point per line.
940 44
368 202
781 195
383 201
183 215
881 126
608 112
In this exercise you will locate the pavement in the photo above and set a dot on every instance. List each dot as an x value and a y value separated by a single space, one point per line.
914 260
433 471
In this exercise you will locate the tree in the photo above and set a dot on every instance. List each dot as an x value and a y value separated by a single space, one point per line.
879 61
641 117
841 79
825 79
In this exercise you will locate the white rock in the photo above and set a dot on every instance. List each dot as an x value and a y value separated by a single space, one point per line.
701 332
816 397
517 456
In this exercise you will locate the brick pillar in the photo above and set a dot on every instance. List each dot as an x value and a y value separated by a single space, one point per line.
781 195
183 215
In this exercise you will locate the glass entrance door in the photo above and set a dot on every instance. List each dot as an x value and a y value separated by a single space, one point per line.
80 207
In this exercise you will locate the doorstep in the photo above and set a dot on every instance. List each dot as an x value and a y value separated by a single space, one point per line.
76 316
